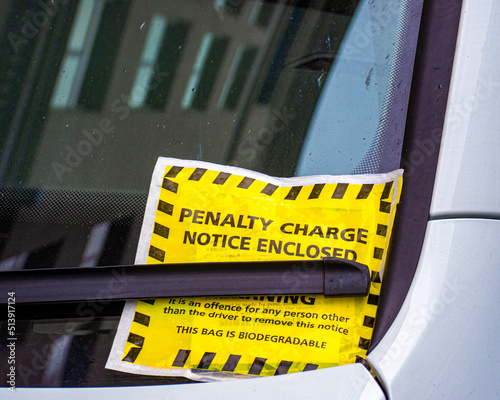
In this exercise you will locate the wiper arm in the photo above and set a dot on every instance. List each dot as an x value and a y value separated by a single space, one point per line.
330 276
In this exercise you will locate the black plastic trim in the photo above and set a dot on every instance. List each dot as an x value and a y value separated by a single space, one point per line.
426 113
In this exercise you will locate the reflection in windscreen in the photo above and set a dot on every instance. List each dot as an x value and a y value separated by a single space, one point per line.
114 84
348 134
93 91
96 90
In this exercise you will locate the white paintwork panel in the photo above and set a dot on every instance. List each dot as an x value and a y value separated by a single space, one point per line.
443 343
344 383
467 179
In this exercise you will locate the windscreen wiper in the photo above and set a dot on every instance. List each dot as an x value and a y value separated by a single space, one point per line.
330 276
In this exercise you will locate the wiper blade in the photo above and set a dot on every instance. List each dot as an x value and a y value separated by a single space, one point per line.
330 276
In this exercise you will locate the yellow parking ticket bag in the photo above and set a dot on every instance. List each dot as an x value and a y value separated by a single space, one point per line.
203 212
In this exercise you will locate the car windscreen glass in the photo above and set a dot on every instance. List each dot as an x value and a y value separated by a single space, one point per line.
101 90
94 91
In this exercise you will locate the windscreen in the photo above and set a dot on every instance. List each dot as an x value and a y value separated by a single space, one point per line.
92 92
